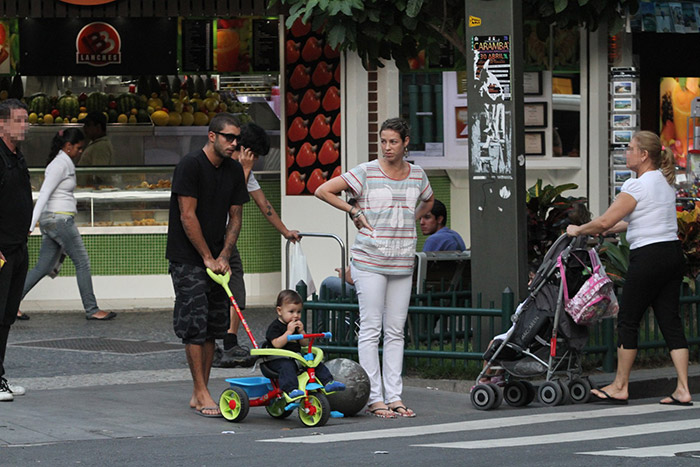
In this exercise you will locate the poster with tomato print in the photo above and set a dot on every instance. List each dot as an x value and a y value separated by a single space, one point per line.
312 73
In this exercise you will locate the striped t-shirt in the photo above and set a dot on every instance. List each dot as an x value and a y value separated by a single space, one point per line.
390 208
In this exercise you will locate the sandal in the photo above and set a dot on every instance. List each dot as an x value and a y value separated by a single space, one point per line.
377 412
403 411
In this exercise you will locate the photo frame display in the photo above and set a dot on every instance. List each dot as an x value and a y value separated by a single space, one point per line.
621 176
622 136
534 143
535 114
624 88
624 120
624 104
532 83
619 159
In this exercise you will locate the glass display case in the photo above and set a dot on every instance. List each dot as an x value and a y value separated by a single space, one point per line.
110 198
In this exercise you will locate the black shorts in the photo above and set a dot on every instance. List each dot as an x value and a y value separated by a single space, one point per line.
201 305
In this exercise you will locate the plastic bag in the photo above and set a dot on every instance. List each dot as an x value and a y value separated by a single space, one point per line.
299 269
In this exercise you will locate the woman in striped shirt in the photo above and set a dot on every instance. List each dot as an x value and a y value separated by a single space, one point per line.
391 195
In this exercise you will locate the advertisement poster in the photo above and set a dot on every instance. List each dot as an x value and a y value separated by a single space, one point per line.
9 46
312 73
676 96
492 64
232 45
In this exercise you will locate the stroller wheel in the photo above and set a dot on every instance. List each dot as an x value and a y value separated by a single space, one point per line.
565 394
483 397
516 394
531 391
580 390
550 393
498 394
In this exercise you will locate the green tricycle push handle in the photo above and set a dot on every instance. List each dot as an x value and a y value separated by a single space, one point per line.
222 280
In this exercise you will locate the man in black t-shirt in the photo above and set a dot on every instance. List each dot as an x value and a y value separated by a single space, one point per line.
208 186
15 217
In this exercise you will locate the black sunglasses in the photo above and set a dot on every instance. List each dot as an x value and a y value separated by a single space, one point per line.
230 137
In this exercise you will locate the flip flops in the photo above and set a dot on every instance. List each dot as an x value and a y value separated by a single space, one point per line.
403 411
675 401
608 399
207 415
376 412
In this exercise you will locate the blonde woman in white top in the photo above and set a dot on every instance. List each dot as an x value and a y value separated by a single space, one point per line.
55 210
646 209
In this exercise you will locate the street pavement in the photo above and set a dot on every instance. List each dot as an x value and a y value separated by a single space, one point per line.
135 405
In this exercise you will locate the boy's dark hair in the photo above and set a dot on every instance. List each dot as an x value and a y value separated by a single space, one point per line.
438 210
254 137
288 296
222 119
7 105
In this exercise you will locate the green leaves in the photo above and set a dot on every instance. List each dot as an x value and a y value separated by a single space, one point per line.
560 5
413 8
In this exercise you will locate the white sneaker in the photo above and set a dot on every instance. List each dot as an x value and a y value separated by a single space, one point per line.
5 392
16 389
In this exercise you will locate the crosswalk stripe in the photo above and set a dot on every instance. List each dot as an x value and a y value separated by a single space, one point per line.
473 425
651 451
574 436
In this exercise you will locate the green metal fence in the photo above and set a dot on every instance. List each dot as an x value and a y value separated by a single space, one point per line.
444 326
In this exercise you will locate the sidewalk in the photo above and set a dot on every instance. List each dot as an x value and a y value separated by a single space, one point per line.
129 377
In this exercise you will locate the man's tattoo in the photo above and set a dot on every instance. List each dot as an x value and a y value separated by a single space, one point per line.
269 209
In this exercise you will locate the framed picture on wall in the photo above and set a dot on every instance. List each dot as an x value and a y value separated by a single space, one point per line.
534 143
535 115
618 158
461 122
532 83
621 176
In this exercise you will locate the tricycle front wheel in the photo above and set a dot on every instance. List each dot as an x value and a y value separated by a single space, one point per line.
318 411
234 404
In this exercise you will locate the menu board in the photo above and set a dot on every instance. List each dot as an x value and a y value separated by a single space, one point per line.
197 45
265 45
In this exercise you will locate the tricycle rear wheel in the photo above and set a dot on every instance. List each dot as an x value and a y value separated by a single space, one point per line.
276 408
234 404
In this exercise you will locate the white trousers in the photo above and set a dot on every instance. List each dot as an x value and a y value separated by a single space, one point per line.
384 301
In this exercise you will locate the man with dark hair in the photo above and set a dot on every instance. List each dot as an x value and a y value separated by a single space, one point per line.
441 238
15 219
254 143
99 150
208 187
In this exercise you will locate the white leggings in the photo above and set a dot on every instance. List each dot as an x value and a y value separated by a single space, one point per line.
384 302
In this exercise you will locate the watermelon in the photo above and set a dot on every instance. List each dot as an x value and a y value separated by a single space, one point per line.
97 102
39 104
68 105
142 116
125 102
112 116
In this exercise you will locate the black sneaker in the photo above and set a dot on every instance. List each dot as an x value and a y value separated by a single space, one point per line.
234 357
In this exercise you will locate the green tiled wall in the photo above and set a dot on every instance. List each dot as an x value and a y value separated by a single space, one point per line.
259 242
441 189
115 255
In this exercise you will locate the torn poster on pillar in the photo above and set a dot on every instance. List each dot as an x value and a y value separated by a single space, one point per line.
491 132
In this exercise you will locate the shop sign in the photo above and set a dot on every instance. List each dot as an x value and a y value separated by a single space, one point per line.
98 44
87 2
92 46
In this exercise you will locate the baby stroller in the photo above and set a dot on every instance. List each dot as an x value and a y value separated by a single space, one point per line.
543 340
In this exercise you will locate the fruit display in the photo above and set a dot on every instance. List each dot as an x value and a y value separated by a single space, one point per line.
312 110
191 101
676 97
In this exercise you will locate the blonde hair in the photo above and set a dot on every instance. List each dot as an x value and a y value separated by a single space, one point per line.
661 157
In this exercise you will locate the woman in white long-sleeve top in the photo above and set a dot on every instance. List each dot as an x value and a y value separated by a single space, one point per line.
55 210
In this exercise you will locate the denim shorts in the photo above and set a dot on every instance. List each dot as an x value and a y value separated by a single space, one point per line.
201 310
